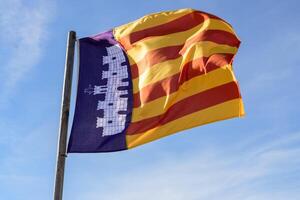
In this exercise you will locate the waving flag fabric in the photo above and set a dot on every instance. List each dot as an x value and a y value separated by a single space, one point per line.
161 74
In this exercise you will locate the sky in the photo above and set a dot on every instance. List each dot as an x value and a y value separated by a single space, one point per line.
252 158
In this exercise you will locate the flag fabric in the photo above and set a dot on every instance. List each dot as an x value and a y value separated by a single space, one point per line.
161 74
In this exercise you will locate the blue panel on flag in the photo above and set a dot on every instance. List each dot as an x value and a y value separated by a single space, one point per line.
104 97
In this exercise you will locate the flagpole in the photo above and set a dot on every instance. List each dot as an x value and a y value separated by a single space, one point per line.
64 118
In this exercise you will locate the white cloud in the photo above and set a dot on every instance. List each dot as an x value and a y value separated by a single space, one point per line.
23 30
253 174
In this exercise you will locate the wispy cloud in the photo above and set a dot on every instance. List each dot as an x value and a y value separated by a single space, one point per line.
23 30
261 172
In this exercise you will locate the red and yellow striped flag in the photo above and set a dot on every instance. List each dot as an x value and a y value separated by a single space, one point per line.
181 66
181 73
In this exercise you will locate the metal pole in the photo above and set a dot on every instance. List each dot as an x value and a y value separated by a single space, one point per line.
64 118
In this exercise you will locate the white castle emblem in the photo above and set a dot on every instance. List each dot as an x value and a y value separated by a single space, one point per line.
114 105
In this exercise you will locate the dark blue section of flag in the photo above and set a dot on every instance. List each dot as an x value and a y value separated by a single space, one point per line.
85 136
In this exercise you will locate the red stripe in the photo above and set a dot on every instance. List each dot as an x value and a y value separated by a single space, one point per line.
171 84
153 57
216 36
187 106
172 52
183 23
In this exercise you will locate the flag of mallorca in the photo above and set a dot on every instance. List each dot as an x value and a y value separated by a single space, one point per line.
161 74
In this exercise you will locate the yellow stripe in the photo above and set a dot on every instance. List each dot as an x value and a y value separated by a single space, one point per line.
197 84
226 110
149 21
141 48
171 67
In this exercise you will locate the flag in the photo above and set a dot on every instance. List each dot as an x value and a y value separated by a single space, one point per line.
158 75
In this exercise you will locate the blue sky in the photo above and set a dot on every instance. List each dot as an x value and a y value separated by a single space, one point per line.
254 158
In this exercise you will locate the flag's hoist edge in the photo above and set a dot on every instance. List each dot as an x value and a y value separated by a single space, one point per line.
104 96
